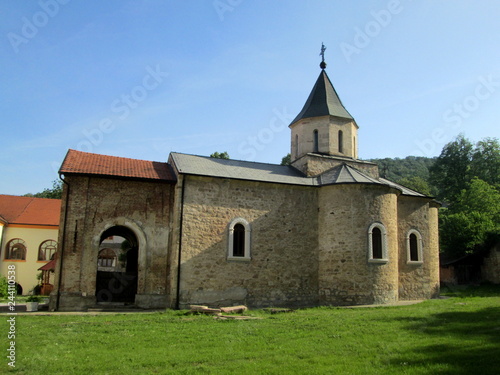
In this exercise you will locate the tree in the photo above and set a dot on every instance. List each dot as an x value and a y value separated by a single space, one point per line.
286 160
471 220
418 184
485 163
221 155
451 171
54 193
409 167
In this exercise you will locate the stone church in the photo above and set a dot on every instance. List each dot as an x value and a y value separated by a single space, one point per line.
326 230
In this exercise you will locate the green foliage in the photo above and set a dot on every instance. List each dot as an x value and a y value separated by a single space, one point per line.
418 184
468 179
461 161
54 193
33 299
220 155
485 163
286 160
411 166
471 220
461 232
479 196
4 287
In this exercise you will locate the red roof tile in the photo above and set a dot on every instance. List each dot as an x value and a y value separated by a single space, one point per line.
78 162
51 266
28 210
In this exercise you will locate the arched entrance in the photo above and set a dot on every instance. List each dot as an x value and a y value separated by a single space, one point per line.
117 266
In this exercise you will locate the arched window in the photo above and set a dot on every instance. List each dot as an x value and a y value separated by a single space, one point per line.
47 250
315 141
239 240
377 244
341 142
15 249
414 247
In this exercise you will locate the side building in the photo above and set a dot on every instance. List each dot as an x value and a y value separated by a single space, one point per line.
28 238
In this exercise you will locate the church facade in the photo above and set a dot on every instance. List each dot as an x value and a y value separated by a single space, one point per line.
325 230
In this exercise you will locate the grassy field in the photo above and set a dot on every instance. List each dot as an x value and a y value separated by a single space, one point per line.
459 335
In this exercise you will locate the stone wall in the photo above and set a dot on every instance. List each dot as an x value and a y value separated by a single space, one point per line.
418 280
314 165
283 266
328 141
346 277
97 204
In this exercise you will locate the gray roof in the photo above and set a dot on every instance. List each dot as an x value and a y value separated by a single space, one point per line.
404 189
323 101
273 173
345 174
237 169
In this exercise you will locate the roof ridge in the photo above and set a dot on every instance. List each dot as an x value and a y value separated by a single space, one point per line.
113 156
236 160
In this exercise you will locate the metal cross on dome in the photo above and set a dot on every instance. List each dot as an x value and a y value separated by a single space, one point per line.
322 54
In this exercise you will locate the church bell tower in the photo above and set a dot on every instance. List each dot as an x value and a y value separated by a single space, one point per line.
323 127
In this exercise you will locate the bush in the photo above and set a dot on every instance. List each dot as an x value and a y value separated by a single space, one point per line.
33 299
4 287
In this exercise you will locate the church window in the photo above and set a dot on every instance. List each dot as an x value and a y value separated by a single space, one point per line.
315 141
414 247
296 146
377 244
47 250
341 142
15 249
239 240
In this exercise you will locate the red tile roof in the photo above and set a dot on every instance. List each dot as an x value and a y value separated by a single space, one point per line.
30 211
51 266
78 162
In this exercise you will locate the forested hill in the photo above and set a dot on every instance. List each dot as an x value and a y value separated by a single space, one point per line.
411 166
412 171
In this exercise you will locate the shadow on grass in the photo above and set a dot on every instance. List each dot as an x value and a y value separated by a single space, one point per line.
485 290
466 342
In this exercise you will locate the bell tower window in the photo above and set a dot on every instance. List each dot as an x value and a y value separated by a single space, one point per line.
315 141
296 146
341 142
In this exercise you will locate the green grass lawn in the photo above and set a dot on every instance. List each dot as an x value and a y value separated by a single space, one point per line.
459 335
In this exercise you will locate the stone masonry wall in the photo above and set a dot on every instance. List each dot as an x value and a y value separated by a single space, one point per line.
96 204
346 277
418 281
283 266
314 165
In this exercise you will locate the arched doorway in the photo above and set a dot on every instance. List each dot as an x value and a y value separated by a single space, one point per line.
117 266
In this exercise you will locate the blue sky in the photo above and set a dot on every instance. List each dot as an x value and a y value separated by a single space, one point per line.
140 79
